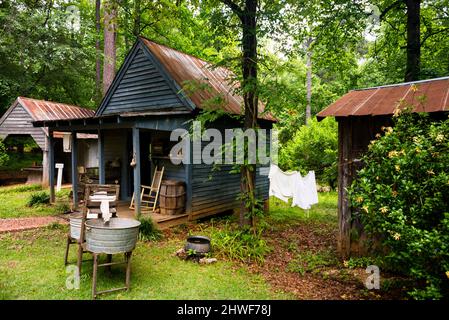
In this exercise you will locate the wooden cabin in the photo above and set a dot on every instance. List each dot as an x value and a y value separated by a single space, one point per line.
360 115
18 122
147 100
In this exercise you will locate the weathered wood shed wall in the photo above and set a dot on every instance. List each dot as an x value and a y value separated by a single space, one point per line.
18 121
361 114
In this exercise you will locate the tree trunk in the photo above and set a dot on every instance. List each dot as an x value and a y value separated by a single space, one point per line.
137 13
110 35
413 68
309 80
250 97
97 51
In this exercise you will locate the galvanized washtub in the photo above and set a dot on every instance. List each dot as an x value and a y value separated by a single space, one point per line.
116 236
75 225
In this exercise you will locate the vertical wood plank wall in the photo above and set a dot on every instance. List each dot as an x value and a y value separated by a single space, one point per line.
354 136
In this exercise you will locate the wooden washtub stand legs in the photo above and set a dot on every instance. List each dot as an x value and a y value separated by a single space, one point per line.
108 264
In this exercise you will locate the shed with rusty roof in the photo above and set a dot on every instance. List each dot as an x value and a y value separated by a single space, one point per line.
360 115
157 90
18 120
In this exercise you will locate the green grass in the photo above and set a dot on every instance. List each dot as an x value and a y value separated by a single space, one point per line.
323 212
13 202
31 267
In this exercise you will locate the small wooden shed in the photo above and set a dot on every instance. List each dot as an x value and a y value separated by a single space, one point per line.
360 115
18 121
145 103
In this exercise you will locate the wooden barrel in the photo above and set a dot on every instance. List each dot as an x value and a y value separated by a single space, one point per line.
172 197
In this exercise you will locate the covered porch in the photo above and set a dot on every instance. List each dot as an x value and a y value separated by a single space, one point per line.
129 151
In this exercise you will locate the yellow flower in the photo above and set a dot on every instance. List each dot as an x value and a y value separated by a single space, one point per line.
418 150
430 172
440 138
384 210
394 193
396 236
365 208
397 167
378 135
414 87
389 129
346 264
447 274
359 199
392 154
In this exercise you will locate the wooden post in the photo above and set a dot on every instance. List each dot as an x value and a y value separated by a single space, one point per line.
136 155
124 168
45 165
75 170
101 164
188 172
51 165
344 181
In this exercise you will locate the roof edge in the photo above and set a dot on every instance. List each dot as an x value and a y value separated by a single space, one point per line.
401 84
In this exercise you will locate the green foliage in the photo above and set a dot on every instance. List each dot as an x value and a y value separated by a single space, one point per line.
19 161
238 244
37 198
309 261
402 196
314 147
3 155
148 231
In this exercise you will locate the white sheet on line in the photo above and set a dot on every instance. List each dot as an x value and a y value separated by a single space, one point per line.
302 190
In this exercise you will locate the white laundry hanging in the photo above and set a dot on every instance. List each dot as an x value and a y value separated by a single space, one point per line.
282 185
292 185
305 193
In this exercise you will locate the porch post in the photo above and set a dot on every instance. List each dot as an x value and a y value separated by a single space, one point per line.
136 156
45 165
101 164
51 165
124 168
74 170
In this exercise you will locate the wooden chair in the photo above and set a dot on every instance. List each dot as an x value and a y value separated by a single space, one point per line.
87 205
150 194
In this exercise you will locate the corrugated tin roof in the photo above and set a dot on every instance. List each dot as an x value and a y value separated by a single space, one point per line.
41 110
184 68
384 100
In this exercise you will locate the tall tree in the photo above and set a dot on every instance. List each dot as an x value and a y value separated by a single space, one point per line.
110 47
413 34
98 51
247 12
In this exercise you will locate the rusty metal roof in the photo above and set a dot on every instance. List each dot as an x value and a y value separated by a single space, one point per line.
41 110
426 96
184 68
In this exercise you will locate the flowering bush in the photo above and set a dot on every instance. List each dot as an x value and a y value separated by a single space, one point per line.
402 199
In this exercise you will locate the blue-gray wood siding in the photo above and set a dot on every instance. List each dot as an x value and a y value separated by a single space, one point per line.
216 189
172 171
19 122
142 88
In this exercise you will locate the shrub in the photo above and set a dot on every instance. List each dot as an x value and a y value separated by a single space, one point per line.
37 198
402 196
238 244
3 155
314 147
148 231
